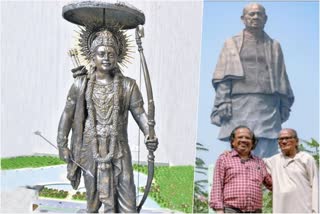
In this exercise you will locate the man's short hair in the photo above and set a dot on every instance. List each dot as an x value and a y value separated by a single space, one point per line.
233 134
294 133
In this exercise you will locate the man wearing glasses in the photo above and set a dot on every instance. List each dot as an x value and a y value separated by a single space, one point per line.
295 177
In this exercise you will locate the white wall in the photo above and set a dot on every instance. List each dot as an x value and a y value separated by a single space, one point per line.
35 75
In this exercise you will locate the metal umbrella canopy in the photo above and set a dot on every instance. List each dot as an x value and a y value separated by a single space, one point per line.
83 13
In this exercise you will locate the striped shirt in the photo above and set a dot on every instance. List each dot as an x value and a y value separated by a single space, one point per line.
237 183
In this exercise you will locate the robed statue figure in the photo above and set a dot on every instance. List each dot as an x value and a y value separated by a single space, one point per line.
97 110
251 84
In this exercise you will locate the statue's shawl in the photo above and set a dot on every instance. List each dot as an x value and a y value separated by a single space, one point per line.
229 66
74 172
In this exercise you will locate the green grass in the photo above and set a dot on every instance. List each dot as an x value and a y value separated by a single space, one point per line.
173 187
29 162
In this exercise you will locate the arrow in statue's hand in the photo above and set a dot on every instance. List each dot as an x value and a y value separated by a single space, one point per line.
40 135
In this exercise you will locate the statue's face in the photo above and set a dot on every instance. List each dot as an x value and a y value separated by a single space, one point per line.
254 17
242 141
105 58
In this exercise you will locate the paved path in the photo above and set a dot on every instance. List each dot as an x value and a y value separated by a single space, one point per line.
55 177
58 206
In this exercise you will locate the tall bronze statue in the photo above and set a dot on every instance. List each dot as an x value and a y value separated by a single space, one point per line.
97 108
251 84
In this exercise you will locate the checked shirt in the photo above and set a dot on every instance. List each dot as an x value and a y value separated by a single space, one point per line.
238 184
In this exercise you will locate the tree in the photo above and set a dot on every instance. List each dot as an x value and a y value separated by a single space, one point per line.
312 147
200 198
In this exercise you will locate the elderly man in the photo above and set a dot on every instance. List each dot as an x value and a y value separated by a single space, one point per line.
251 84
295 177
238 176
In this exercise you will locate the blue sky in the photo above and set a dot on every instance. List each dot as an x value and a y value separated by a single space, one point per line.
296 26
